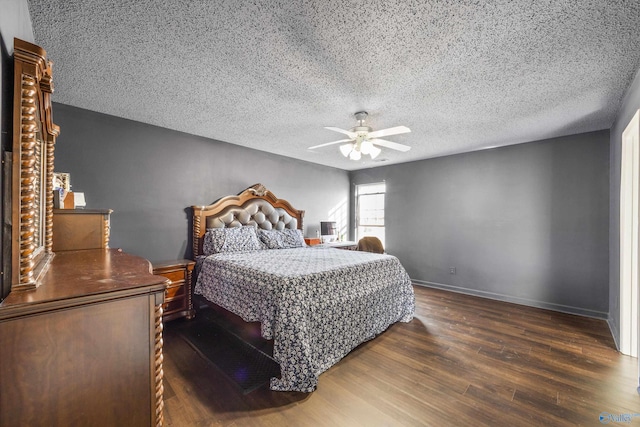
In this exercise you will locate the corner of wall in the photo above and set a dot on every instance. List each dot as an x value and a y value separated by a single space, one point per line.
615 333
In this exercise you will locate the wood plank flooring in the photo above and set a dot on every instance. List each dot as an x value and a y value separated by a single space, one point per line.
462 361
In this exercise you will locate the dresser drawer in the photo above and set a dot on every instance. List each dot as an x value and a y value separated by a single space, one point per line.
175 276
175 305
174 292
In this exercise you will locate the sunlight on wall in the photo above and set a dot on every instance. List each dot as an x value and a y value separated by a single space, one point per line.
340 214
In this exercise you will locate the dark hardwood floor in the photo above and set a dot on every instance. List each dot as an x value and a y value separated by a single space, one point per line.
461 361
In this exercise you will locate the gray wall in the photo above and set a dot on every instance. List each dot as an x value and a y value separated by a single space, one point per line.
526 223
14 22
150 176
629 106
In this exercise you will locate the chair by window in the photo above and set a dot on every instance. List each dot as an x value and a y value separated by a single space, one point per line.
370 244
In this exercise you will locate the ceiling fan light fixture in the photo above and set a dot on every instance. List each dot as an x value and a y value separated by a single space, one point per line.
374 151
364 140
346 149
366 147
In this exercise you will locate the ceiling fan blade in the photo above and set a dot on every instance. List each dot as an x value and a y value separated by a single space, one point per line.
329 143
389 144
388 132
350 134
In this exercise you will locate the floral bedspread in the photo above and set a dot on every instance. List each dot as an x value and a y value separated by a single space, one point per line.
317 304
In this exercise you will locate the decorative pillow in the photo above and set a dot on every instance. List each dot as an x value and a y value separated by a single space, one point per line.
233 239
282 239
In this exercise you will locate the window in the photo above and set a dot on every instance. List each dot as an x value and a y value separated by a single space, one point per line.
370 210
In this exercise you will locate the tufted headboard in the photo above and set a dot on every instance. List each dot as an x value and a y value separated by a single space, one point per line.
254 206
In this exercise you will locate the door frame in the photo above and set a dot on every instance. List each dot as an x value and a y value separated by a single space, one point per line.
629 237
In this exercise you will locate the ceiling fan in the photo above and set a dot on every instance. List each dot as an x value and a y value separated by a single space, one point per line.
364 140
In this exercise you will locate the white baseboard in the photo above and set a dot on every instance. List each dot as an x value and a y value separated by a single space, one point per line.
614 332
517 300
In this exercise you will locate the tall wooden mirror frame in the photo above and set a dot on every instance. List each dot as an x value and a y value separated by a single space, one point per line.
34 136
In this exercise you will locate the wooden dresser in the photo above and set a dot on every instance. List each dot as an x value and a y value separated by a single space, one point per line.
85 346
177 297
80 330
81 229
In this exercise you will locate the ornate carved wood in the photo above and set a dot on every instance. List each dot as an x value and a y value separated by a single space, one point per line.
106 230
192 314
33 163
256 191
75 286
158 371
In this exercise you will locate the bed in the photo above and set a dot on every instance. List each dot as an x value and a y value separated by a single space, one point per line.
316 304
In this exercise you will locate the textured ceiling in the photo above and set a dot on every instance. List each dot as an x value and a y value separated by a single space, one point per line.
463 75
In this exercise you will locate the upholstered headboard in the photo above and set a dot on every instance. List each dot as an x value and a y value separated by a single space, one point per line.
255 206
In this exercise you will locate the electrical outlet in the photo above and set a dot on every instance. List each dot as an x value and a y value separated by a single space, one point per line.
452 270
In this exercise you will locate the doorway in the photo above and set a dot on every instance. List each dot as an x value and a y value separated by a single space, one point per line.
629 237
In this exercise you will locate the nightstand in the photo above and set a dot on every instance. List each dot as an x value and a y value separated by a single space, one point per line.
177 296
312 241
